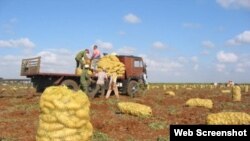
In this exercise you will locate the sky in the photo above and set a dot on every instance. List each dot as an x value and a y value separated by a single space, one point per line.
181 41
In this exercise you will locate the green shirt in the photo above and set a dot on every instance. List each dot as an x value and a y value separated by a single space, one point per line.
80 55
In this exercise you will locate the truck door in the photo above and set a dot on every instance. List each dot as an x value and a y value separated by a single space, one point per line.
137 67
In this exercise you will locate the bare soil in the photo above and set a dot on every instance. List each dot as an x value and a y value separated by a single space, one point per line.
19 114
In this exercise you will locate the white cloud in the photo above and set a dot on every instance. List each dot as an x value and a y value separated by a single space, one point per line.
205 52
220 67
52 61
104 45
194 58
226 57
159 45
131 18
240 70
57 57
234 3
207 44
163 66
10 66
55 61
196 67
243 38
22 42
9 58
48 57
191 25
126 50
243 65
62 51
182 59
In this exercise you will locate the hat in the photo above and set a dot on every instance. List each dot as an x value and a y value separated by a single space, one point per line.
113 53
86 66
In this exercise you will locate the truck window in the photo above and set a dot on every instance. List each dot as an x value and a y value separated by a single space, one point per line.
138 64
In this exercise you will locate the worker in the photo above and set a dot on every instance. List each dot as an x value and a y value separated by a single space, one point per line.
230 83
144 75
100 84
81 58
113 86
85 80
95 57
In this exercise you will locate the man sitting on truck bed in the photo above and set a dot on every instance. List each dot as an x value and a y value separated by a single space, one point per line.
81 57
95 57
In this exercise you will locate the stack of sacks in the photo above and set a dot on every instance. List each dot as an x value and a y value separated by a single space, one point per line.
207 103
111 64
170 93
246 89
226 91
135 109
64 115
236 93
78 71
228 118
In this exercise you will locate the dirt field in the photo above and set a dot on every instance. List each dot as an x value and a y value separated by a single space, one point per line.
19 112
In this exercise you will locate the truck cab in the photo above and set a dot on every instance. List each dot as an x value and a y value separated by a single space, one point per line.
135 68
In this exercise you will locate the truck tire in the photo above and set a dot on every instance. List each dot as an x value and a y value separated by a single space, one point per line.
71 84
132 88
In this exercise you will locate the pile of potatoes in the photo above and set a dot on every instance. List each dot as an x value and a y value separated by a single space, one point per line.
228 118
207 103
111 64
135 109
64 115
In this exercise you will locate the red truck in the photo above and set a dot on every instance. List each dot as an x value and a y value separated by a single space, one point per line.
129 83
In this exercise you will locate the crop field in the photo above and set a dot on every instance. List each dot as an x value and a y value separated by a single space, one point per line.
19 111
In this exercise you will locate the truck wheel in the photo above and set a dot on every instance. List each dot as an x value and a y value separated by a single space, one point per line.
71 84
132 88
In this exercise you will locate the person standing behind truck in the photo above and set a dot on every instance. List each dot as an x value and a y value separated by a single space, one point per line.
81 57
113 86
85 80
95 57
144 75
100 84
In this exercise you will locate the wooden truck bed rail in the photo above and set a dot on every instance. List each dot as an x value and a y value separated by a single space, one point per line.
30 66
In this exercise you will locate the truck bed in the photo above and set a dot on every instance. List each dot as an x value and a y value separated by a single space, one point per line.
128 83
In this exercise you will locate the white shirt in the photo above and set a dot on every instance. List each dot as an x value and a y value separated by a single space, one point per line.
101 77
